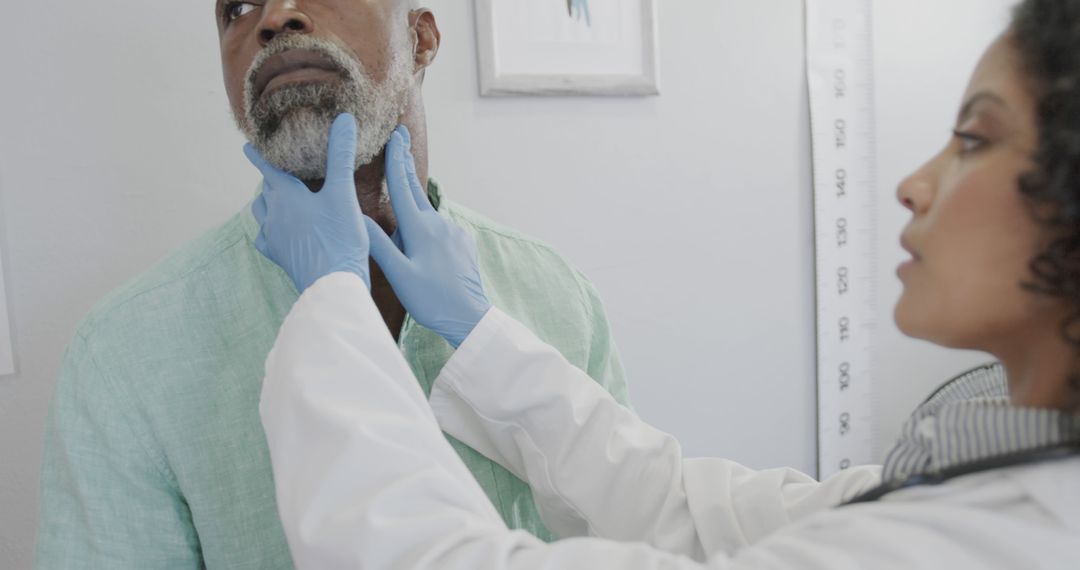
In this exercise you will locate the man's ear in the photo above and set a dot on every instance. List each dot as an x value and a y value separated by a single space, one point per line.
426 37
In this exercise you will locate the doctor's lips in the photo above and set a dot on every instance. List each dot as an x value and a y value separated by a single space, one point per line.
293 66
906 244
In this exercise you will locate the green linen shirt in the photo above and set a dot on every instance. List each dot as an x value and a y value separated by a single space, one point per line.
154 454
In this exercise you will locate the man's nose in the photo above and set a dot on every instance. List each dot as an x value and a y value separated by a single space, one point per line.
282 17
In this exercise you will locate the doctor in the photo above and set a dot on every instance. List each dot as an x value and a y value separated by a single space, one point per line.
986 475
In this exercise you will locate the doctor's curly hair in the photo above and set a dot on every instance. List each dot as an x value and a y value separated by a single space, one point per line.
1046 34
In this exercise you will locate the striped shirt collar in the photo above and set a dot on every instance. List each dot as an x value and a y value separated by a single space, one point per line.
970 419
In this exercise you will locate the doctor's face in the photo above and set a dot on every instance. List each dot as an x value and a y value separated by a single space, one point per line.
971 236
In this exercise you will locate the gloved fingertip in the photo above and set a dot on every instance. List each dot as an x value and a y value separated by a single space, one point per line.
344 126
341 154
406 136
395 155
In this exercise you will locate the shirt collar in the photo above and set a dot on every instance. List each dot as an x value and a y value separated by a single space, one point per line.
971 419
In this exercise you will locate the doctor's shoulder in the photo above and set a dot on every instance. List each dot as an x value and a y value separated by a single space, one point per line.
1025 516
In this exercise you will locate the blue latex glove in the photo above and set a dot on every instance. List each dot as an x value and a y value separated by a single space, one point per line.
435 272
312 234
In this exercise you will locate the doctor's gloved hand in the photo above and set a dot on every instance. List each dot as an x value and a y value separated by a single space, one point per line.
435 272
312 234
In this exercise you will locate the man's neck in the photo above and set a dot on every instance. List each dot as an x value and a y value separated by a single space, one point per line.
375 203
391 309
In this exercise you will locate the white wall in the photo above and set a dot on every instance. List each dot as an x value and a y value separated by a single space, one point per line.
691 211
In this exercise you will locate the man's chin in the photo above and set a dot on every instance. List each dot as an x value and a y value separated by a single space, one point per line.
305 159
298 118
307 174
295 139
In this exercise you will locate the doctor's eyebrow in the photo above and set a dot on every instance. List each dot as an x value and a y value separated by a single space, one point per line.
969 106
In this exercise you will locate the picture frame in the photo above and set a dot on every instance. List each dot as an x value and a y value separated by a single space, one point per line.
567 47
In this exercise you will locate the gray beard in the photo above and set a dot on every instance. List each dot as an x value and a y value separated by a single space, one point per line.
290 126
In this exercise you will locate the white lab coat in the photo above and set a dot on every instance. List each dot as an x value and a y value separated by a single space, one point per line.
365 479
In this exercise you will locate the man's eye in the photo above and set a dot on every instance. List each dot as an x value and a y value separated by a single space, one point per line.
234 10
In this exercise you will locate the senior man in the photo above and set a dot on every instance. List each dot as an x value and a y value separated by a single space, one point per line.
155 457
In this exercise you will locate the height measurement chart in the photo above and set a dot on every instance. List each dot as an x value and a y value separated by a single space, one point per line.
840 74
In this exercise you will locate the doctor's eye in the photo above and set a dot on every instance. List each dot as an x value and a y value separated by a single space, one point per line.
969 142
234 10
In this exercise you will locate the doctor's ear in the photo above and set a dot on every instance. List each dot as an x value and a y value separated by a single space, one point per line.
426 37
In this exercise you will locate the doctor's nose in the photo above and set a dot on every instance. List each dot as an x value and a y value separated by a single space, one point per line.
916 192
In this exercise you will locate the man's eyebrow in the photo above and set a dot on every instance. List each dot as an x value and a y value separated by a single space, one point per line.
965 111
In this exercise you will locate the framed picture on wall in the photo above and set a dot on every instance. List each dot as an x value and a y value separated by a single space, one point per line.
567 47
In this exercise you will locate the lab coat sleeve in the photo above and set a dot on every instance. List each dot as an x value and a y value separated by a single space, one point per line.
596 469
355 450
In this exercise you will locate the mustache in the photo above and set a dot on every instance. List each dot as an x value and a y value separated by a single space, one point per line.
336 55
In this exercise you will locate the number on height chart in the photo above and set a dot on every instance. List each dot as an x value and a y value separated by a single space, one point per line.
839 33
840 83
841 133
842 281
845 328
845 376
841 232
845 423
841 182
